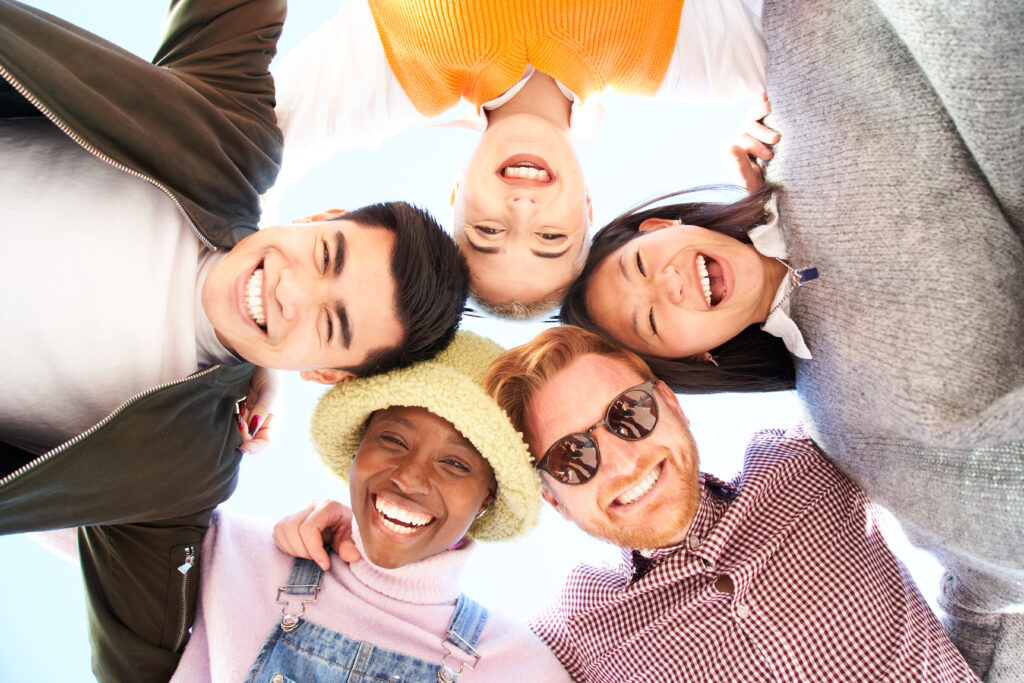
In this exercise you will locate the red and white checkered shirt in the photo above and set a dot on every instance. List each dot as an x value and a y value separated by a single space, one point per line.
817 595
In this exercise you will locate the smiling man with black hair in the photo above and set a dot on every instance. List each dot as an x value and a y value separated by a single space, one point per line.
140 297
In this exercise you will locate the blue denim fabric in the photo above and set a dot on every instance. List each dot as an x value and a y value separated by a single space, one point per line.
314 653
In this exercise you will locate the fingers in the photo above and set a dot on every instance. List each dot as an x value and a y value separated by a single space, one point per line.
303 533
291 537
263 437
760 132
255 412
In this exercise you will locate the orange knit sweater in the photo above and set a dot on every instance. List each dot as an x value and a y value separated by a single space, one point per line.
444 50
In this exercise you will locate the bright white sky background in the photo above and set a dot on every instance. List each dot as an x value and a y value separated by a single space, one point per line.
644 149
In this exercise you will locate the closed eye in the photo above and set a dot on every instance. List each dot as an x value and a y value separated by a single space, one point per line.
392 440
326 258
650 319
457 464
486 231
640 264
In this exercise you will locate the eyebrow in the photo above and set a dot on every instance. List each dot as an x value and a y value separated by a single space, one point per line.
498 250
339 252
339 266
625 276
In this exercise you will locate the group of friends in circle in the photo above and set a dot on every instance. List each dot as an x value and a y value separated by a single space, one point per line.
871 258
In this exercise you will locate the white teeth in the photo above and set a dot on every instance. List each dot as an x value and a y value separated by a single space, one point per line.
705 281
641 488
254 298
398 519
528 171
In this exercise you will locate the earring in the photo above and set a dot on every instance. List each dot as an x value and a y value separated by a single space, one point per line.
708 358
481 513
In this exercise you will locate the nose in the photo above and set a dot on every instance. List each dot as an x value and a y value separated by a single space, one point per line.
668 283
295 292
522 206
410 475
618 456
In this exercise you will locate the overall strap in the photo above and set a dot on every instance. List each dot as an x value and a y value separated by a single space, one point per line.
304 580
463 632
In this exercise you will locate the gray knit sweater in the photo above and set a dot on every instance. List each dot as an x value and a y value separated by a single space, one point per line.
902 133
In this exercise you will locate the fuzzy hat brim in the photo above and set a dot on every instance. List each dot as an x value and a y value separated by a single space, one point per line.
450 386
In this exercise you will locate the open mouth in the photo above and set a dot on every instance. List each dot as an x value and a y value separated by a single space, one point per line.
399 519
642 487
525 171
712 283
254 298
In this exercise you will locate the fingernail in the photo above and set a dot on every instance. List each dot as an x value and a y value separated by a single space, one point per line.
241 426
254 424
244 451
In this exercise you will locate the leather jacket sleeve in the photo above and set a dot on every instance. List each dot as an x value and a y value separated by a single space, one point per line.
199 122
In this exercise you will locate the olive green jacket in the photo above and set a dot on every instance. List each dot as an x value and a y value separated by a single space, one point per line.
199 124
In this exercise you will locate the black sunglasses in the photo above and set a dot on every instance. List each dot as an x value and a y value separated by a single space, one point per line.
631 416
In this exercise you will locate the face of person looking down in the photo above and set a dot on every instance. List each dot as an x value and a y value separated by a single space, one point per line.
521 210
644 493
416 486
681 290
313 296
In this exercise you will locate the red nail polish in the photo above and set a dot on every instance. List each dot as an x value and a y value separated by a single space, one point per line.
241 426
254 424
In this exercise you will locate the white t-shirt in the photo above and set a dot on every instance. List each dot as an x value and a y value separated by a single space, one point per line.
336 90
101 279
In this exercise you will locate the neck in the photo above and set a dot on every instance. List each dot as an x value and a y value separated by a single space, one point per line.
541 97
774 273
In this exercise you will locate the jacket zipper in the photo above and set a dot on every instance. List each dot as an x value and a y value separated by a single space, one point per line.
68 444
23 91
185 568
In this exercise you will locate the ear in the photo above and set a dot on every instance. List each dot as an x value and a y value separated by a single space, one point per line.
668 399
652 224
326 375
547 495
328 215
456 185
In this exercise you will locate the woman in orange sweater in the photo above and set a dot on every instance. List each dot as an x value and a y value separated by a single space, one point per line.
521 208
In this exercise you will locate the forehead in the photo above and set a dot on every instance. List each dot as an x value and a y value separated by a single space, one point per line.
612 300
577 396
422 421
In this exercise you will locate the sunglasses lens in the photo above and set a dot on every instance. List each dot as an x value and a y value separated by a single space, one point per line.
633 415
573 460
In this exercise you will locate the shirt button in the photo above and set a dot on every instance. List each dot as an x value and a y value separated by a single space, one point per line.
692 542
278 678
742 611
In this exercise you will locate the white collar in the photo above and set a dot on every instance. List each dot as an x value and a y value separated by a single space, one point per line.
769 241
584 119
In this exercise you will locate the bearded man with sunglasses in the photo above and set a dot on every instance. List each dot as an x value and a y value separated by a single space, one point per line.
782 574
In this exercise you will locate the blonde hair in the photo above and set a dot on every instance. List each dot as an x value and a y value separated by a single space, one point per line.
519 373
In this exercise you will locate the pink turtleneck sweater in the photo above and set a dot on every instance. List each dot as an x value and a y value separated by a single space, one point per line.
405 609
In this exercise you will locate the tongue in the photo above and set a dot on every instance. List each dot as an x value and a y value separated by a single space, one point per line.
715 279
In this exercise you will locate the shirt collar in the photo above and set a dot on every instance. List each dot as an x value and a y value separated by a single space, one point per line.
769 241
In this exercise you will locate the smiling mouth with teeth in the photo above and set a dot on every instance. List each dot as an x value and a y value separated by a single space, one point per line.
254 298
712 283
524 170
642 487
398 519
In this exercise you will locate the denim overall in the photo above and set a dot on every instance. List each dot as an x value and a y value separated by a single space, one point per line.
300 651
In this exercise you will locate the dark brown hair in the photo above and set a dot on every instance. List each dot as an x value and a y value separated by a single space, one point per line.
431 280
753 360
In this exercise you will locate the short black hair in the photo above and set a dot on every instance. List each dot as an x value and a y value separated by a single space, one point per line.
753 360
431 285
